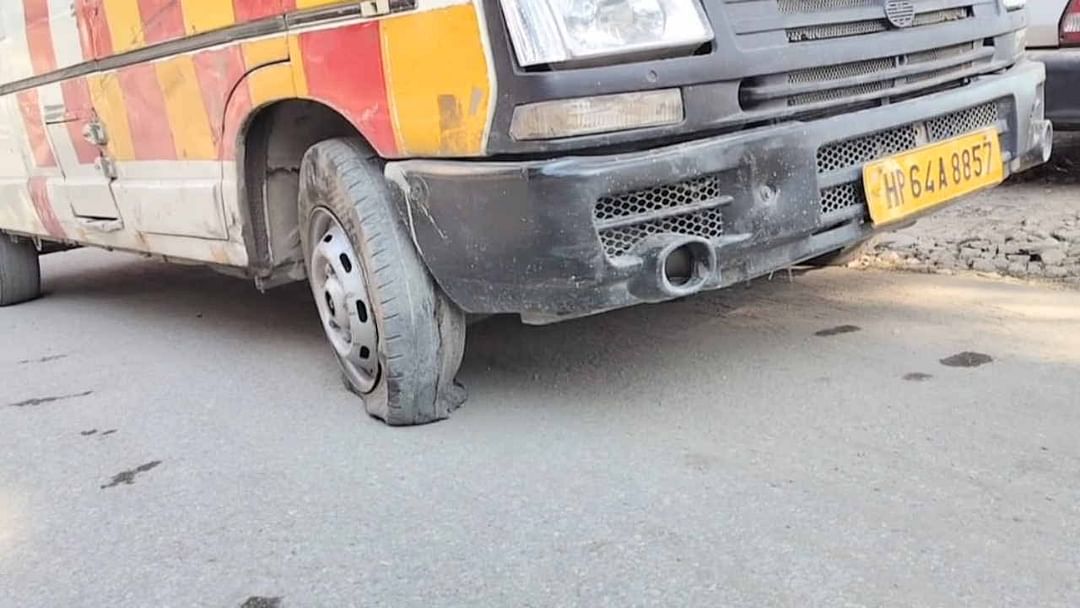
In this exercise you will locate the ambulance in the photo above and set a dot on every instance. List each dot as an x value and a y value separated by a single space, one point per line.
418 161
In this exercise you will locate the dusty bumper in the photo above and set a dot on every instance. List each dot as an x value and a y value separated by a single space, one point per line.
526 237
1062 86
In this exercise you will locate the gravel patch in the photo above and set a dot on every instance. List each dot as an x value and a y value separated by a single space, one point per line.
1029 228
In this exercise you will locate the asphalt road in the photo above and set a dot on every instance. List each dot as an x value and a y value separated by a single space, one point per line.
170 437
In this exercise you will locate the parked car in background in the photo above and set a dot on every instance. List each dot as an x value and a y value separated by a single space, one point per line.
1054 39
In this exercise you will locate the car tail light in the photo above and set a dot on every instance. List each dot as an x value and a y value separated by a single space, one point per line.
1070 24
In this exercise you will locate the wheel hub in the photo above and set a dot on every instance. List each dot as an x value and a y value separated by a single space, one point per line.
337 280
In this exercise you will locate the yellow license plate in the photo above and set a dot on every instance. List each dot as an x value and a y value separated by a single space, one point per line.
911 182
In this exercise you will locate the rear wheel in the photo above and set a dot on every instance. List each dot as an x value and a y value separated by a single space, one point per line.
20 273
398 339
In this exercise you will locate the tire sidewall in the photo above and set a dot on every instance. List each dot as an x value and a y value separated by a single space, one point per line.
345 178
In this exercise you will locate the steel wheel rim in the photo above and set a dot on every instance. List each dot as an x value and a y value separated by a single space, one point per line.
337 278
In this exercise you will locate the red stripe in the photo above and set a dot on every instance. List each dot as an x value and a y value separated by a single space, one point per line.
35 128
150 131
39 196
77 101
39 36
218 72
162 20
237 112
251 10
354 50
94 31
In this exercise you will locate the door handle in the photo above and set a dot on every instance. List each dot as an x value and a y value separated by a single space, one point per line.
106 166
94 133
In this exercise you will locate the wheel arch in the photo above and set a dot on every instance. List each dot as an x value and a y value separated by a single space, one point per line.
271 146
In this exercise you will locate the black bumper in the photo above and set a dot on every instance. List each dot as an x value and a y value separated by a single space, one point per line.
526 237
1062 86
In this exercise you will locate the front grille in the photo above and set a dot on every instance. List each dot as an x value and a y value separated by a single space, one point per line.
939 73
836 30
944 52
858 151
835 94
814 6
943 16
843 70
857 79
826 31
690 207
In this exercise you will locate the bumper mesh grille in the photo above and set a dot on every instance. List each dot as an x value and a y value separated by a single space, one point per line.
681 208
864 149
707 224
659 198
860 150
959 123
841 197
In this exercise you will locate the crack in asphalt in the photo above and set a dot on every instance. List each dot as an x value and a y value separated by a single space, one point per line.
35 401
128 477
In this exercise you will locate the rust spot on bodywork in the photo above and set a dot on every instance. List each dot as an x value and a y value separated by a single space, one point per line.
452 135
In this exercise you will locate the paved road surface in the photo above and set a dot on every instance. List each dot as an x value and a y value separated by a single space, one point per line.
169 437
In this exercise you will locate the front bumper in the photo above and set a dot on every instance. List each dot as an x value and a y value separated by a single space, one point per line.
573 236
1062 86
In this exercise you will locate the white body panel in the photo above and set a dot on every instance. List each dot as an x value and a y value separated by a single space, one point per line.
180 209
14 51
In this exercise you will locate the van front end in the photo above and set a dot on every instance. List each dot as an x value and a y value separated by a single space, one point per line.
798 128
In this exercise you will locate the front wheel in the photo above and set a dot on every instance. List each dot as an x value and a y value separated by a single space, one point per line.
20 272
398 339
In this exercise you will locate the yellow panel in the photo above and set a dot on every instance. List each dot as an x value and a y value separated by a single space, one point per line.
302 4
296 59
265 51
186 110
206 15
271 83
125 25
909 183
108 100
437 77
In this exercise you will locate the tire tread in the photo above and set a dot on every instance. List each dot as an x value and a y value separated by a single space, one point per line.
20 271
421 331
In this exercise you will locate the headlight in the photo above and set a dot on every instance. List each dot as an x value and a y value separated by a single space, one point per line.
1013 5
558 31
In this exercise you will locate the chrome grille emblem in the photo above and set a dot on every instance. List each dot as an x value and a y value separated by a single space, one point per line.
900 13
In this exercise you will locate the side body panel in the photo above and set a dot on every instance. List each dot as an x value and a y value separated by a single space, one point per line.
125 134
